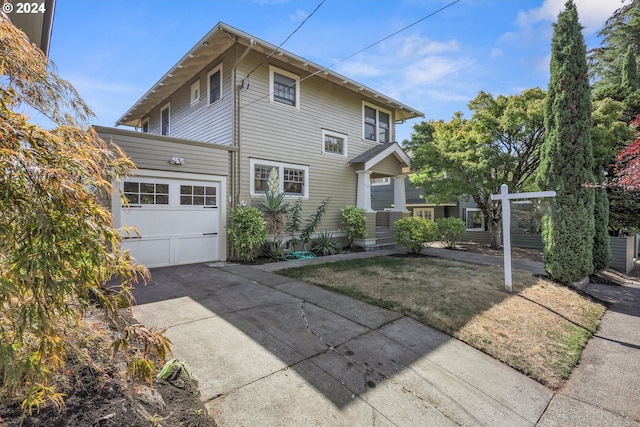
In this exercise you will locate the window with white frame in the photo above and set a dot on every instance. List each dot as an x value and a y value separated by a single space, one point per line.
376 123
164 120
380 181
214 84
424 213
285 87
195 92
145 125
334 142
293 179
146 193
474 219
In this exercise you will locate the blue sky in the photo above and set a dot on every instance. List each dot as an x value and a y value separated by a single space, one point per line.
114 51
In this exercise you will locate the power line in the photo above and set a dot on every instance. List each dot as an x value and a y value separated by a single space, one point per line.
285 40
352 55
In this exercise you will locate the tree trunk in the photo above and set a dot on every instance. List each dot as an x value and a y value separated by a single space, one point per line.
494 232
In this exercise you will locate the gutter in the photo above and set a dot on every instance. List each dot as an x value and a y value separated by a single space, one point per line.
235 119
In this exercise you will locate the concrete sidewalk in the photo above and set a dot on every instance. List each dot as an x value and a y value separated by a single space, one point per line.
269 350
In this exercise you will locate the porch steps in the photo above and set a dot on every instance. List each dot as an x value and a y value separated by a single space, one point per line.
384 239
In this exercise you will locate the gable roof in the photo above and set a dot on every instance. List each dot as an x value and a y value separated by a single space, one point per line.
380 152
216 42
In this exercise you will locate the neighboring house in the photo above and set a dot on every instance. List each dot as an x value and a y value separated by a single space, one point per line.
525 221
35 19
233 108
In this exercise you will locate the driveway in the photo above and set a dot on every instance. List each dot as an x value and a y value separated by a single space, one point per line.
269 350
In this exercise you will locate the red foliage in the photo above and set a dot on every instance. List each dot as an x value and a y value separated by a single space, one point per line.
627 164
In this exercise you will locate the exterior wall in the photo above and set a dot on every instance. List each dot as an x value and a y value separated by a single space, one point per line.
389 166
154 151
382 196
201 121
279 133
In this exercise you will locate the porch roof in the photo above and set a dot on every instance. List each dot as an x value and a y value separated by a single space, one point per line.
375 155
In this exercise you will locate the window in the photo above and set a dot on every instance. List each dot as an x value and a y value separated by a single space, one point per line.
334 142
164 120
146 193
293 179
474 219
214 84
376 123
145 125
198 195
195 92
424 213
380 181
285 87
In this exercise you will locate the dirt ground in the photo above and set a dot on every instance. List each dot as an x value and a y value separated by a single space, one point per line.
98 396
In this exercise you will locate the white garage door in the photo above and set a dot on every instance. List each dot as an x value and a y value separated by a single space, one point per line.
178 220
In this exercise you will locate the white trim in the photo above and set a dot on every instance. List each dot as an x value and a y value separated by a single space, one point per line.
273 69
166 106
281 166
343 136
209 74
376 182
195 92
378 109
466 215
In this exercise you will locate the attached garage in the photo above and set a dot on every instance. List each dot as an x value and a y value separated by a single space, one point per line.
176 211
178 221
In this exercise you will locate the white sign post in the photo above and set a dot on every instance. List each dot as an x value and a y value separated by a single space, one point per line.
506 198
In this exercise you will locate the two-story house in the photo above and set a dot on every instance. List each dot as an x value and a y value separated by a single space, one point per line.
233 108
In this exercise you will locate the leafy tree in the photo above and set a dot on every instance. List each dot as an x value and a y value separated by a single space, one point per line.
567 159
58 246
471 158
620 32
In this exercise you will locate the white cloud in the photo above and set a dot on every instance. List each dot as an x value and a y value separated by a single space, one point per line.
433 69
415 46
299 15
592 13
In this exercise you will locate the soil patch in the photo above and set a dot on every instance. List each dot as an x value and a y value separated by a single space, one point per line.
96 395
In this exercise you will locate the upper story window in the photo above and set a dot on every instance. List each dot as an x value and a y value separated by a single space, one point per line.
214 84
164 120
293 179
376 123
285 87
195 92
145 125
334 142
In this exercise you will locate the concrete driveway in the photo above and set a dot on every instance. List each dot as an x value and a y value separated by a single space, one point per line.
268 350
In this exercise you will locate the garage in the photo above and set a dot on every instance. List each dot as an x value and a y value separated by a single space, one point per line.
178 218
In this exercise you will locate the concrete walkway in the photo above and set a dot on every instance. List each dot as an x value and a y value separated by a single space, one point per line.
270 350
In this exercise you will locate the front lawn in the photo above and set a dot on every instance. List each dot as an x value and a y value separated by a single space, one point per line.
540 329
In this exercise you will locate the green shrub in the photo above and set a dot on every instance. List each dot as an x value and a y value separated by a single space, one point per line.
414 232
354 223
450 231
247 231
325 245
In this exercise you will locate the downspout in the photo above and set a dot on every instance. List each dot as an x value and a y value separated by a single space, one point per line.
235 155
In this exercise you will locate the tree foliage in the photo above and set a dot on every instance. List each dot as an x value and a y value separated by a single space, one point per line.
471 158
58 247
567 158
413 233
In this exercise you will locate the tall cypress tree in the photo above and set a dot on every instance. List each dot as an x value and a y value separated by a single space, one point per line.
567 157
630 70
